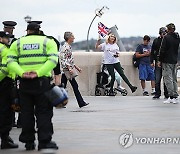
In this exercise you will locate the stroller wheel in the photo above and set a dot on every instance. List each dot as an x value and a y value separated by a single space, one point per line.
98 92
115 91
124 92
106 92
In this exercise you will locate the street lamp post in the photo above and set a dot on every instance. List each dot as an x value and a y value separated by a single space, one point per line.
27 18
98 13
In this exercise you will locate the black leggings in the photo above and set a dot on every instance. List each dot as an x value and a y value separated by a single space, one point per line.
119 69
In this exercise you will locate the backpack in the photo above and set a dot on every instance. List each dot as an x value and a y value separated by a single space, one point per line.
136 61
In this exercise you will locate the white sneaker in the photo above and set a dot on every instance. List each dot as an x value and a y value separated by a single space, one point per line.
168 101
175 101
120 87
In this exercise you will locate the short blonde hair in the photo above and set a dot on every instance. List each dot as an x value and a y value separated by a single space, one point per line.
111 35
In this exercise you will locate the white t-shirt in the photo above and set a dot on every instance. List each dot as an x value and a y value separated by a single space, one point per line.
109 51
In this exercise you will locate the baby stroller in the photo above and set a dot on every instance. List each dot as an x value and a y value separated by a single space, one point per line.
103 85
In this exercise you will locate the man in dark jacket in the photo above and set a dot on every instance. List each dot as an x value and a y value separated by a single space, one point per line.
155 51
168 58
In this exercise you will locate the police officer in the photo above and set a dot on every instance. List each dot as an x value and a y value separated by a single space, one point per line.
33 57
6 84
56 70
9 26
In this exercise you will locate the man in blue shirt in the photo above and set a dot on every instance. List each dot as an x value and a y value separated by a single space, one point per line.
146 71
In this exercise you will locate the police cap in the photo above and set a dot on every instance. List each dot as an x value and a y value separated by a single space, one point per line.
9 24
38 22
4 34
33 26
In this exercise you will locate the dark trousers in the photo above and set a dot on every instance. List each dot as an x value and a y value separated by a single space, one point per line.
119 69
6 114
75 89
35 104
158 77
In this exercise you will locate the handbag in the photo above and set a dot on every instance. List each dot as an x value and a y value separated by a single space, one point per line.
70 76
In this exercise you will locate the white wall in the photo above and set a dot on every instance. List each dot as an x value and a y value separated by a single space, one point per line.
90 63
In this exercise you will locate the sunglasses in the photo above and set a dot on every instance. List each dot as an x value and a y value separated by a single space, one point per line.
112 36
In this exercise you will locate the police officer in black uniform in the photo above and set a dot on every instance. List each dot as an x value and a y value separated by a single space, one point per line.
9 26
34 82
57 69
6 84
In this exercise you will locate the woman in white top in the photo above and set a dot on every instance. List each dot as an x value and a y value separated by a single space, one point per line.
111 60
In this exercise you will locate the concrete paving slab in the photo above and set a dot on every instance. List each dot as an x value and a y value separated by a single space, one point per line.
96 129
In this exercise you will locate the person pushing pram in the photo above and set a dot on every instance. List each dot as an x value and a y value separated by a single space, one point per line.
103 82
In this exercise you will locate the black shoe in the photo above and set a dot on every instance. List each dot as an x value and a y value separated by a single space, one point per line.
166 97
85 104
30 146
50 145
145 93
8 145
156 97
133 89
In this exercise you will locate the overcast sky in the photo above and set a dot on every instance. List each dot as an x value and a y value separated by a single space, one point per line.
132 17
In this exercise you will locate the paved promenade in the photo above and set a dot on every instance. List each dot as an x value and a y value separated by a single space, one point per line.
96 129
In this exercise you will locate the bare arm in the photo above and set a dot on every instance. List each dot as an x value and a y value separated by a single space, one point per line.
57 79
98 46
78 68
145 54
